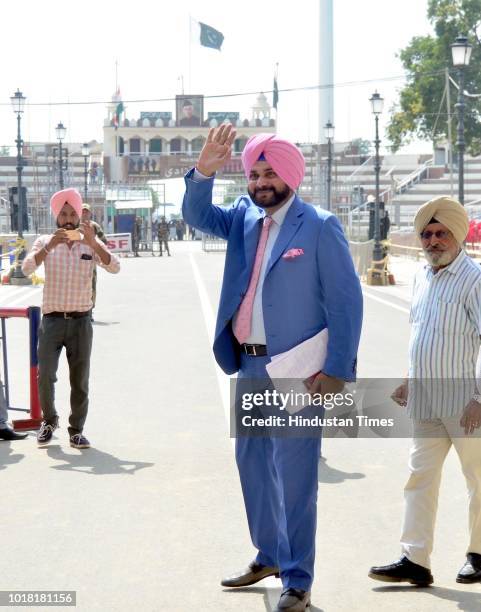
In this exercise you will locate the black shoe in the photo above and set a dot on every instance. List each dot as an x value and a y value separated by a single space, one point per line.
251 575
402 571
79 441
8 434
471 570
46 432
294 600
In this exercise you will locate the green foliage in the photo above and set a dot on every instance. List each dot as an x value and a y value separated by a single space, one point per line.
425 60
155 198
360 146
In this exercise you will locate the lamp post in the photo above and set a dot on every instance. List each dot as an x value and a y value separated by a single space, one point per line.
329 134
461 52
18 104
61 131
85 154
377 104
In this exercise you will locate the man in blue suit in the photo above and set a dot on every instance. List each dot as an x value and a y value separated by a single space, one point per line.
288 275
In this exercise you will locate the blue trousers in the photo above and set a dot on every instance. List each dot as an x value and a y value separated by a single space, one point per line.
279 479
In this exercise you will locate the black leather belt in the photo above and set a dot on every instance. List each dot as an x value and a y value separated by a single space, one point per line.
68 315
254 350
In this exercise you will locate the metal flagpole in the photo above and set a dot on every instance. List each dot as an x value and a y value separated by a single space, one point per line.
450 138
190 54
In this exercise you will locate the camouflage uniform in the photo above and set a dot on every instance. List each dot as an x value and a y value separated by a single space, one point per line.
163 236
99 232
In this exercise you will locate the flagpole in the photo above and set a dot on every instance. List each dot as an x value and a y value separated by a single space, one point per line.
116 102
276 72
190 53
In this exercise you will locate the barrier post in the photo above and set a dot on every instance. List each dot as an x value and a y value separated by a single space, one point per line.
33 315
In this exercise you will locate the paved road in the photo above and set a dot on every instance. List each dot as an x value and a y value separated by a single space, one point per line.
151 517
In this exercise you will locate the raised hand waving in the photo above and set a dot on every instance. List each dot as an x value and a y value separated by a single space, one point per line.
217 149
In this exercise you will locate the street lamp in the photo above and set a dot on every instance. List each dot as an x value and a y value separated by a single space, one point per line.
329 135
461 51
18 104
377 104
85 154
60 131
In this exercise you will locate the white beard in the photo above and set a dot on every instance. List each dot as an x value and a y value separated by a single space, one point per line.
443 258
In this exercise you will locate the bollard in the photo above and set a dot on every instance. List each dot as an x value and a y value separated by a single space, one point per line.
33 315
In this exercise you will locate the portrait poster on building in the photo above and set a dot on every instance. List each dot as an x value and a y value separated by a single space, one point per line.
189 110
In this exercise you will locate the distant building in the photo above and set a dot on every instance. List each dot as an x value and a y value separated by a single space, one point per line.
158 144
40 176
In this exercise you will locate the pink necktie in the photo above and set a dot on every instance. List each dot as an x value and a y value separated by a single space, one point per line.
243 323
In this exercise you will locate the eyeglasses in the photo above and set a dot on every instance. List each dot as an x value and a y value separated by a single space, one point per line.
440 234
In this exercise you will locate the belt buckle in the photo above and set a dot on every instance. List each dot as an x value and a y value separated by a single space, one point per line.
249 348
66 316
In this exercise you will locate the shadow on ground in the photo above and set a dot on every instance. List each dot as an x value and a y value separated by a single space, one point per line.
270 597
7 454
104 323
332 475
93 461
468 601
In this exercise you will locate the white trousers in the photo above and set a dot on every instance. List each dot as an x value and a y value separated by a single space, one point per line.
432 441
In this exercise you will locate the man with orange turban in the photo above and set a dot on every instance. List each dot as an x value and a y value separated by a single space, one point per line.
288 275
69 256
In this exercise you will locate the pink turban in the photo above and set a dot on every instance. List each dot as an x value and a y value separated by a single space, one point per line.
66 196
284 157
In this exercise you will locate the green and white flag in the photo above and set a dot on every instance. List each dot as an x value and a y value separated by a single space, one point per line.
275 93
210 37
118 111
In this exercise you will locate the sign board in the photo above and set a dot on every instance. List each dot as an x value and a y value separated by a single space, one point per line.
223 117
153 116
119 243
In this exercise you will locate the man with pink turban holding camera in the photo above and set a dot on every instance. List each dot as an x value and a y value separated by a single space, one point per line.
288 275
69 257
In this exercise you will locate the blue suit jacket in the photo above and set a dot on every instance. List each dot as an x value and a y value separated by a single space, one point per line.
300 296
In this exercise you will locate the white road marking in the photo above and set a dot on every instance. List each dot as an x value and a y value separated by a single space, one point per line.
17 297
385 302
223 380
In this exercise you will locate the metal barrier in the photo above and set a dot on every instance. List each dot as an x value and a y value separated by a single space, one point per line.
361 253
33 315
212 243
405 251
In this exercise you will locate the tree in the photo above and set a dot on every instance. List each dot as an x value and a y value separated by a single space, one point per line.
419 112
359 146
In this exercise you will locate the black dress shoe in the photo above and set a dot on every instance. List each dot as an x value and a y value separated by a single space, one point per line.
294 600
8 434
402 571
251 575
471 570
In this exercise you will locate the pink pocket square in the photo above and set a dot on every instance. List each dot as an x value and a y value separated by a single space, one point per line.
293 253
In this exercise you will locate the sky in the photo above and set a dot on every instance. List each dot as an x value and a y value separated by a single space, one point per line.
66 52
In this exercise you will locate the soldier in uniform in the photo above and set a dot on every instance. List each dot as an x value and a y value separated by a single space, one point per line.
163 235
137 234
99 232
